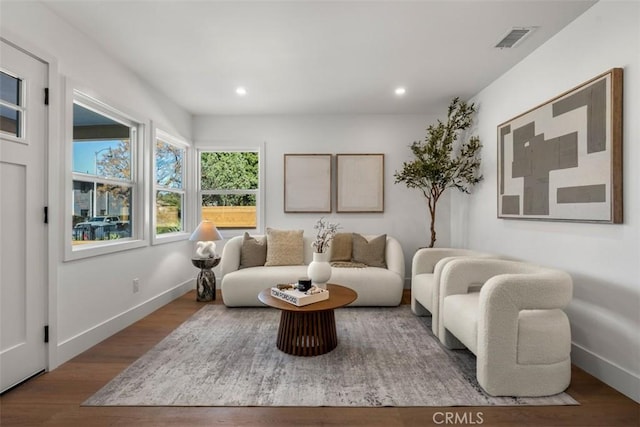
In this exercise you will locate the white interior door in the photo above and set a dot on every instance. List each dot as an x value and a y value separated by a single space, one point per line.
23 288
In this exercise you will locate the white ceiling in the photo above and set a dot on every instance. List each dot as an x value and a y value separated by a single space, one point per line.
316 57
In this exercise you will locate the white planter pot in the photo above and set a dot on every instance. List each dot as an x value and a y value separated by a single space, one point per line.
319 270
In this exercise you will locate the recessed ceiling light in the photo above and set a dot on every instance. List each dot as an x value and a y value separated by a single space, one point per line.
400 91
241 91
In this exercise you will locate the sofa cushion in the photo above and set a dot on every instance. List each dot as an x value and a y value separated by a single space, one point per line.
370 252
341 247
266 277
284 247
253 252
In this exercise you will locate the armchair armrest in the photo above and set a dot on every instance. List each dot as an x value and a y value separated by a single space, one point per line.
426 259
435 295
503 297
545 289
460 274
523 333
433 261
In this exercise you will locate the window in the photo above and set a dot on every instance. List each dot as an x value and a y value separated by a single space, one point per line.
105 195
170 186
11 108
230 188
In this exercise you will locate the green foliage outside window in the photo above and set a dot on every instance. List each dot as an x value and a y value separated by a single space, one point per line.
229 171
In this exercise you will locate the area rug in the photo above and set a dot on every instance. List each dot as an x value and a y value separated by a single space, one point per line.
228 357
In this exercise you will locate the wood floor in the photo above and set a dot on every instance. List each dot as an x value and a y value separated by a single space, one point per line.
54 398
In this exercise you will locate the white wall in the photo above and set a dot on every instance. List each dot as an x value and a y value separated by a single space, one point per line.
604 260
405 216
93 298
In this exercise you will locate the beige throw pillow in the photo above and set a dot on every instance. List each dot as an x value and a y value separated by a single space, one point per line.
253 252
341 247
284 247
370 252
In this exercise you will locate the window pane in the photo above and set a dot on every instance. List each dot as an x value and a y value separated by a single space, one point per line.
168 212
82 201
101 146
230 211
100 212
10 89
169 160
229 171
10 121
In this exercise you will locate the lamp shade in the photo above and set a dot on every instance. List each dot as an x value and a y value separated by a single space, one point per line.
206 232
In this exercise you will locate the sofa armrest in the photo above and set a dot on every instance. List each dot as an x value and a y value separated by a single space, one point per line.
230 260
394 257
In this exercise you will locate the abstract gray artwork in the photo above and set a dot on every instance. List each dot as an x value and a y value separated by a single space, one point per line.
563 159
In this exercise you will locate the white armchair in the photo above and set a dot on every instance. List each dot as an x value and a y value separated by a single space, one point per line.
515 323
426 268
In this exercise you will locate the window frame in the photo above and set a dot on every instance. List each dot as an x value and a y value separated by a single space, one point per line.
139 208
260 208
187 223
21 107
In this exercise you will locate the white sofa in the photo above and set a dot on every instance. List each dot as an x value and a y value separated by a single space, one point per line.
426 268
375 286
514 324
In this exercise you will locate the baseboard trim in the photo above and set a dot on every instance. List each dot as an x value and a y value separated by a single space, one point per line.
83 341
619 378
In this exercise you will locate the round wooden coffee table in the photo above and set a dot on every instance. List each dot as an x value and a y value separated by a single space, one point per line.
309 330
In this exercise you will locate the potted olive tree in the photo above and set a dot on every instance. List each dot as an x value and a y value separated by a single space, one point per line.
441 161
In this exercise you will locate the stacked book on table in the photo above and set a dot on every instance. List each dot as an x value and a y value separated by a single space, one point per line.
298 298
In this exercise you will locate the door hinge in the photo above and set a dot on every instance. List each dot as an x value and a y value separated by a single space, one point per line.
46 333
46 96
46 214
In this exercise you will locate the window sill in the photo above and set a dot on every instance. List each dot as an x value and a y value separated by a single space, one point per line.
97 249
169 238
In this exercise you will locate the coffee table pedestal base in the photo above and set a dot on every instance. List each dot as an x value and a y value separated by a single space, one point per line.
307 333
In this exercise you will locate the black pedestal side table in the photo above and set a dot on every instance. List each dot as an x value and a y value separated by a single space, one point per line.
206 280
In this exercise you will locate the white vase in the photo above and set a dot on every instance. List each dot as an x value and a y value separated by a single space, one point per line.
319 270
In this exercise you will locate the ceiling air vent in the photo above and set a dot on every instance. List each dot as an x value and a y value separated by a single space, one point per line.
513 37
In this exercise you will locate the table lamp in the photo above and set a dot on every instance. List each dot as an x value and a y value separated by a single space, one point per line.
206 259
205 234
